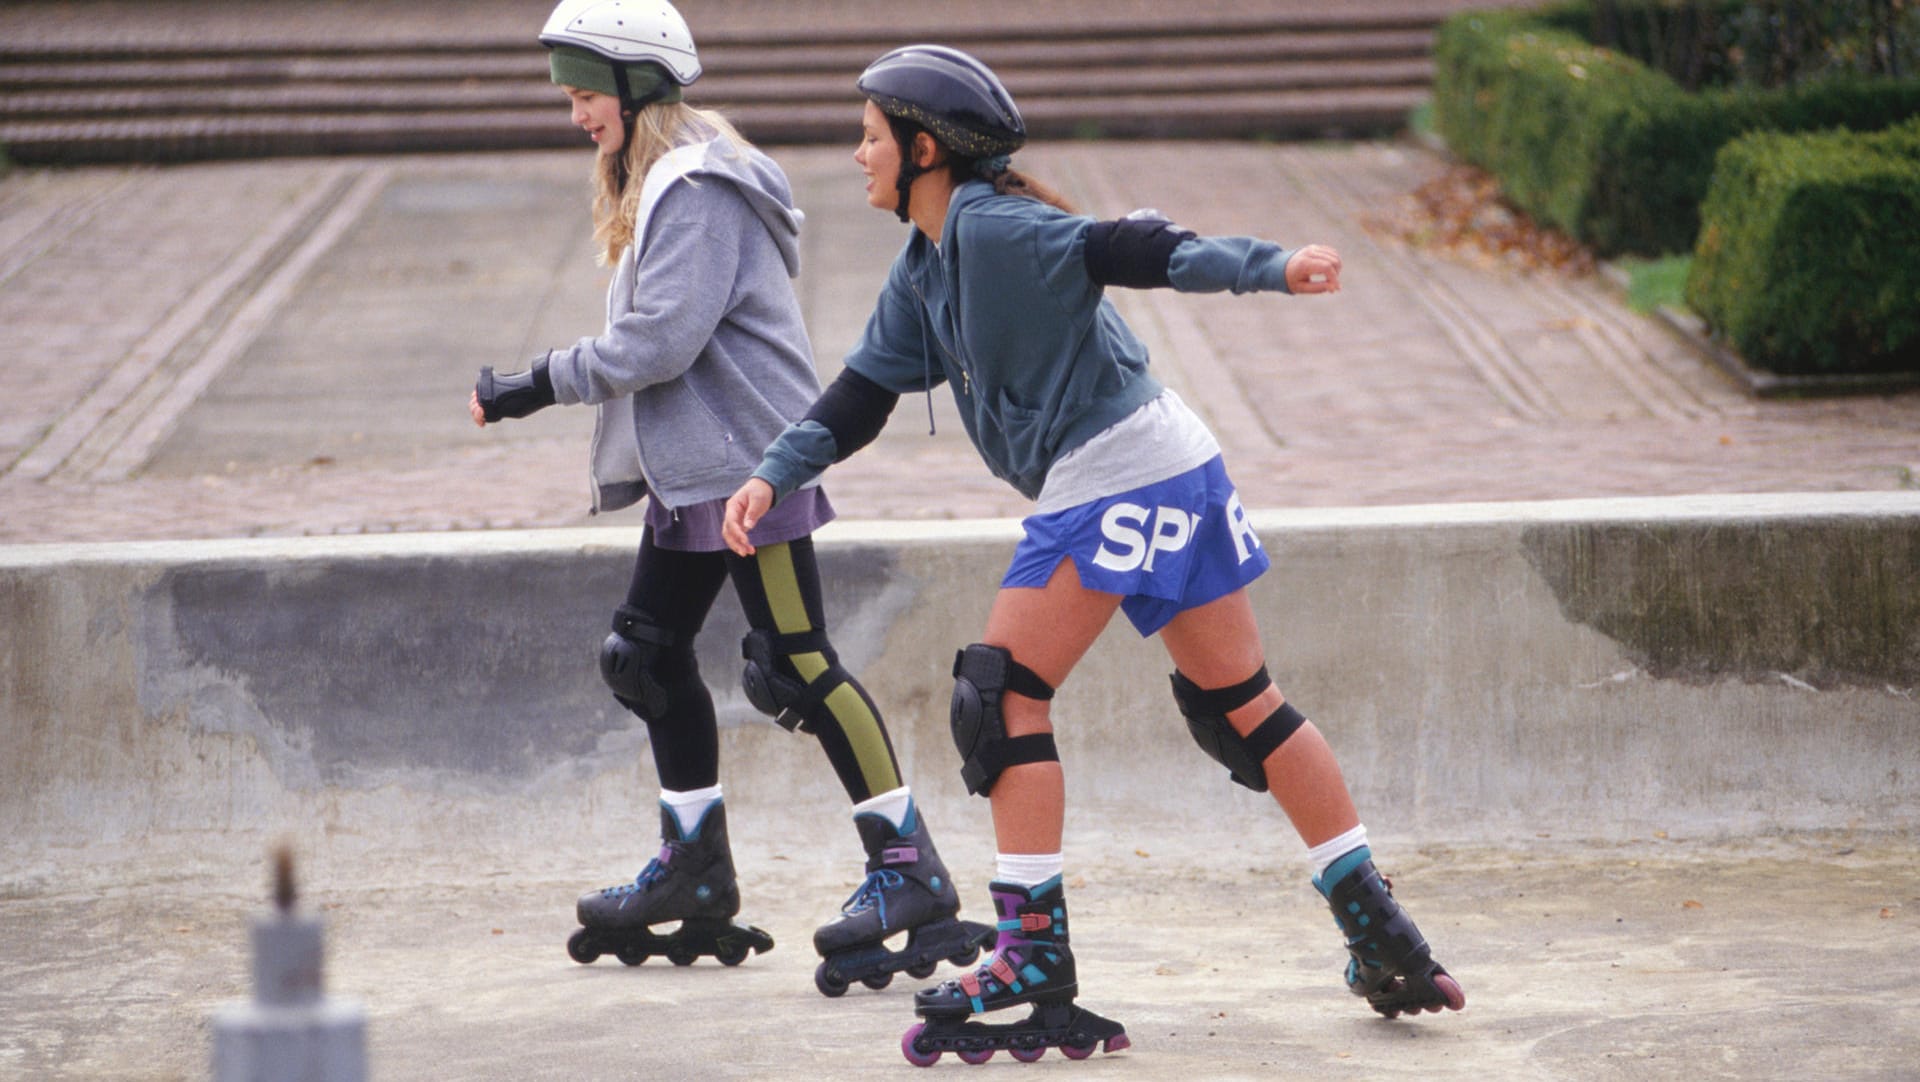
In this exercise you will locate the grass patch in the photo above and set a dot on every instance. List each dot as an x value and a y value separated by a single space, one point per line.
1420 119
1653 283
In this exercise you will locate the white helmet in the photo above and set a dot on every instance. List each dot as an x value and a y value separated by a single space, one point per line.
626 32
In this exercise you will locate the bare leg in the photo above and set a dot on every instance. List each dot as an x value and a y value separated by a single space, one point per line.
1048 630
1218 645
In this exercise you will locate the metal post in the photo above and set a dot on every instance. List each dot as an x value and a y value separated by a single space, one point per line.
290 1031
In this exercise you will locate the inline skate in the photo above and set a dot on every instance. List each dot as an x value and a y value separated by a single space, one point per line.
690 881
1389 964
1031 963
906 889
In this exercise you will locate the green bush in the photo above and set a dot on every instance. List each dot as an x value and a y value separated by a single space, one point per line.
1602 146
1759 43
1809 257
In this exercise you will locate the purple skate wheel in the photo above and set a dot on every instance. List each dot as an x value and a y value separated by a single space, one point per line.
914 1055
1076 1051
1456 996
1027 1055
975 1056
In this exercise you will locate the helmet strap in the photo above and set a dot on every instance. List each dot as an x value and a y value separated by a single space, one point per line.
905 133
908 174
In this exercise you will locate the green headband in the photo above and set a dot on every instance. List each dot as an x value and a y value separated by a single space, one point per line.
591 71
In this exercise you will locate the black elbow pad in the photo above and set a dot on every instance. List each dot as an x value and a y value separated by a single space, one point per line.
1133 252
854 409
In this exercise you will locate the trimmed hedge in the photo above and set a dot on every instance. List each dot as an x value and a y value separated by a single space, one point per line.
1809 258
1603 146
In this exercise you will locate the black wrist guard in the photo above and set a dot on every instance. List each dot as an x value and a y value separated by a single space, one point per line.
516 394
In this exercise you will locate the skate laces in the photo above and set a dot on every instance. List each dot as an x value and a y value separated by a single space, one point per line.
872 892
655 871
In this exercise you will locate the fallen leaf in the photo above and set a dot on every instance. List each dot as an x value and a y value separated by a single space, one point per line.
1691 904
1461 213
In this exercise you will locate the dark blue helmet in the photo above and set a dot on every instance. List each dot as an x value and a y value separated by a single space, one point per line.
955 97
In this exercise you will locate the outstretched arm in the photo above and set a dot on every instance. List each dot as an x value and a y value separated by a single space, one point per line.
1146 251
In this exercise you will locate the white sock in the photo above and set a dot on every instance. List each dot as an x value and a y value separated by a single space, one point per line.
894 804
1324 854
1027 869
689 806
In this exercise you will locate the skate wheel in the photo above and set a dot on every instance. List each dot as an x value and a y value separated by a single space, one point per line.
913 1054
975 1057
829 982
682 955
963 959
732 954
632 957
877 981
580 948
922 972
1027 1055
1077 1051
1455 995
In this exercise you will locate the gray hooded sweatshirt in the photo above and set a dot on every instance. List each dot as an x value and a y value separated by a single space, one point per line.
704 359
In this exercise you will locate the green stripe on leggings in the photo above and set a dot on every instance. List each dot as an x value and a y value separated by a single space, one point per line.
844 704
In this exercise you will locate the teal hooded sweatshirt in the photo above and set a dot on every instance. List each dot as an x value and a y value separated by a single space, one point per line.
1005 312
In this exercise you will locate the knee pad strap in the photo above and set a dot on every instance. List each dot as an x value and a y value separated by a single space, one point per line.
787 700
629 659
982 675
1206 712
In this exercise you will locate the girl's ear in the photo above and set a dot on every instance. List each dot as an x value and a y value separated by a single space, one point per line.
926 152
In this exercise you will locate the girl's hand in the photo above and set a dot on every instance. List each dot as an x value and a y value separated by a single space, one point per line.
1314 269
473 407
744 510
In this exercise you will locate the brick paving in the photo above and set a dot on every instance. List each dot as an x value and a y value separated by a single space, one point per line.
284 348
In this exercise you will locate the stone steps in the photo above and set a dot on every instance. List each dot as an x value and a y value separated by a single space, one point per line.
1274 76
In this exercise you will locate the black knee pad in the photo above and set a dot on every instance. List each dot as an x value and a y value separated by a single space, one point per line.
1206 713
630 662
787 699
982 674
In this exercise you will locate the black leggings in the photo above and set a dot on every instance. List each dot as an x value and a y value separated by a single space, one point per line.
779 590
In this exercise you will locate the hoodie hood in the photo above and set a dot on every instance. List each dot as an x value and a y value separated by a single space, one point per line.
762 183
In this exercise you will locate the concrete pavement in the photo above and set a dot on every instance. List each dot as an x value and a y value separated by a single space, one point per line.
1656 959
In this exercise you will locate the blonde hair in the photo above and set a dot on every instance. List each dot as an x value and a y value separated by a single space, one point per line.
618 178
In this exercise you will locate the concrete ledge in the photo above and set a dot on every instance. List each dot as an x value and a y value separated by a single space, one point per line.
1595 669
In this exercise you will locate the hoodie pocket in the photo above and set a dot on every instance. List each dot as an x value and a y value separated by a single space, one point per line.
1023 435
680 437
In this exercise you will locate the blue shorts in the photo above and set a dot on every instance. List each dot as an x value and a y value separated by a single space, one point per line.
1167 547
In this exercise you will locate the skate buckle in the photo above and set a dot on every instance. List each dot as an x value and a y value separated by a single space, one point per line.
999 968
899 854
1035 922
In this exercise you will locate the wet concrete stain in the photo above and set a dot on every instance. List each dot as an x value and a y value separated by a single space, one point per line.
301 661
1828 604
